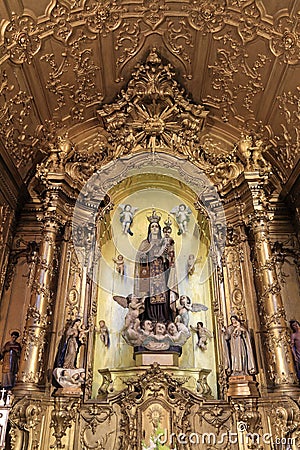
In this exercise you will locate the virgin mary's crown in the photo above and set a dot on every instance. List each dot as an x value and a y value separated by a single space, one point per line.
155 217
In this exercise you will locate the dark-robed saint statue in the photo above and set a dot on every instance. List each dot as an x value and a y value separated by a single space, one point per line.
155 273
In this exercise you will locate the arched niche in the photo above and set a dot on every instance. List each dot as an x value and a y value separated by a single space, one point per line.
153 182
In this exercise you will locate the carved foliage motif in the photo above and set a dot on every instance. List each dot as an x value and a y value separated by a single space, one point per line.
233 257
81 90
15 113
230 59
289 104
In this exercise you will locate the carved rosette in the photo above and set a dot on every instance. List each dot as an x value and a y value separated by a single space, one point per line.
21 39
102 17
286 41
271 310
206 16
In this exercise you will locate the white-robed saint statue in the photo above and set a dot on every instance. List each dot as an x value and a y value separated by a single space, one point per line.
239 358
155 273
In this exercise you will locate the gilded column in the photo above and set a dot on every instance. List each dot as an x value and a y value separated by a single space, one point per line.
271 308
39 310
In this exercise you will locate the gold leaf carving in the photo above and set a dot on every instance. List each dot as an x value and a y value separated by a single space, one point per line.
102 16
286 40
21 39
206 16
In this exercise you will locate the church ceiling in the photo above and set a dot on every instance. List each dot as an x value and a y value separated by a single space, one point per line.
63 60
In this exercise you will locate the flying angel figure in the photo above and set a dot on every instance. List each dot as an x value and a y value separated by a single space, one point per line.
186 306
203 335
126 217
135 307
181 214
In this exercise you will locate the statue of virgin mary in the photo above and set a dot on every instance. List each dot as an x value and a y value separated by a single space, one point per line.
155 273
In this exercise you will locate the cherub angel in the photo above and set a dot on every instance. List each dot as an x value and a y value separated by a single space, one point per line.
126 217
135 307
83 331
119 264
185 306
181 214
203 335
104 332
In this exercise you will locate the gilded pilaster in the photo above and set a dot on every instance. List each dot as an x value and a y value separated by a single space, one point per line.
271 308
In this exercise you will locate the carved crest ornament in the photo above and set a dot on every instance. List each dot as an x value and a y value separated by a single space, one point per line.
154 114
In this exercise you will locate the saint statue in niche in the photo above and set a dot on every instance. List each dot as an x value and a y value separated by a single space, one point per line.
239 358
10 354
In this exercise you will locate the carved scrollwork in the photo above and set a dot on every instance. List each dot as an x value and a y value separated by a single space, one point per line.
60 18
177 38
25 420
92 154
93 434
250 22
62 416
248 413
